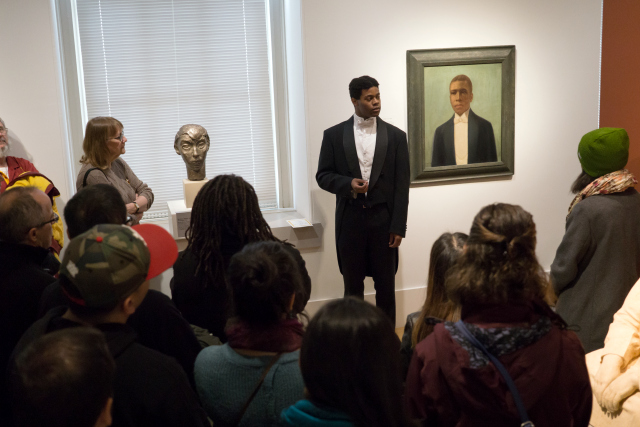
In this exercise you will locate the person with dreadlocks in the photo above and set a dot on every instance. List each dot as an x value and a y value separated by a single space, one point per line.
224 218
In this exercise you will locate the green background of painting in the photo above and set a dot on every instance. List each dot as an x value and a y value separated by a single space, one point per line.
487 93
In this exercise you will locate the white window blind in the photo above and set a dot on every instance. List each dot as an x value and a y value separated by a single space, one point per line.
156 65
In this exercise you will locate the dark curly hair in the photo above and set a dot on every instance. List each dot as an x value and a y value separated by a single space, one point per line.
225 206
357 85
263 277
499 264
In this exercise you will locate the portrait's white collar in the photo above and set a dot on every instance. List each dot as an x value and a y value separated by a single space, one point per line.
464 118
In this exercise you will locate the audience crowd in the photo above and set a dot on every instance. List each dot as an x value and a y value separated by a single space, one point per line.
84 341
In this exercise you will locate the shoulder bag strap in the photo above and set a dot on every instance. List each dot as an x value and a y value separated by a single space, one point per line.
86 174
526 422
273 361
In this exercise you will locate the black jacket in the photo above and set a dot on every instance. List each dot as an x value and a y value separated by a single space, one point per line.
150 389
405 346
207 304
22 280
390 176
157 323
481 142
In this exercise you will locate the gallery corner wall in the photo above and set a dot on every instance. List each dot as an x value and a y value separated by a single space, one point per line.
620 83
31 88
556 102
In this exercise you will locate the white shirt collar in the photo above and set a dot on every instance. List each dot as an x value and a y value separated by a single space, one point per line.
360 122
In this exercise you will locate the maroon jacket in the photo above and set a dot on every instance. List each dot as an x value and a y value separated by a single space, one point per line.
551 376
17 166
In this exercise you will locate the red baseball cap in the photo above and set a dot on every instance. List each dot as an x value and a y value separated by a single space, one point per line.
163 249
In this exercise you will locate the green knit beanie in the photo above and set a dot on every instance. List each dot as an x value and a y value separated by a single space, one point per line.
603 151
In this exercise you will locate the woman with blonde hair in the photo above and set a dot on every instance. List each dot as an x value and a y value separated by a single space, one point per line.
437 307
510 359
104 143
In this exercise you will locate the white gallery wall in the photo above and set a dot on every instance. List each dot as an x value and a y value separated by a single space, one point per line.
557 79
30 88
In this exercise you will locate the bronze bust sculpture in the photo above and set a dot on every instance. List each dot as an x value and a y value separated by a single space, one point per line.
192 143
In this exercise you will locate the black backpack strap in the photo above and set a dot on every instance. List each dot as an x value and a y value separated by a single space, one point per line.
524 417
86 174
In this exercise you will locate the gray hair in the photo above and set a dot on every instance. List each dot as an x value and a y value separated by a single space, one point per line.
19 212
3 151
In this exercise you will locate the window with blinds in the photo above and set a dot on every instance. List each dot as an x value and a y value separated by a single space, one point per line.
156 65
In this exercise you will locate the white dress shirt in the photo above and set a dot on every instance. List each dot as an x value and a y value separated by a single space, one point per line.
364 132
461 137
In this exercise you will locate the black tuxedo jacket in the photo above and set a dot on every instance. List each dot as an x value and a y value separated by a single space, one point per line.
389 181
482 142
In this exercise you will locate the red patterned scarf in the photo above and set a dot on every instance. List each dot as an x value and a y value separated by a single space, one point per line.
285 336
614 182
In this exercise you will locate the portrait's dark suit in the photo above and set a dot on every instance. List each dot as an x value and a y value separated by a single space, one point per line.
481 141
363 223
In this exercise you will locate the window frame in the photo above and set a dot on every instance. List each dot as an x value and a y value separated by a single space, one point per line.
76 115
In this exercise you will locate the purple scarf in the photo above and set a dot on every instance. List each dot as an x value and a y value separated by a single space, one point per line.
285 336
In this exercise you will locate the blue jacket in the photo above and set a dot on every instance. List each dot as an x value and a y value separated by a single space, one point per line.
225 379
306 414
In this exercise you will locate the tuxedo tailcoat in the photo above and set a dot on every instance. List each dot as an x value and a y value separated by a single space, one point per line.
481 142
363 223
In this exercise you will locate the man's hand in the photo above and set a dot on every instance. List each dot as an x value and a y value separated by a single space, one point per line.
621 388
359 185
609 370
394 240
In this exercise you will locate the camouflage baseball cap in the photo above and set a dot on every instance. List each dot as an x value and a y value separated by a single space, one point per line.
109 262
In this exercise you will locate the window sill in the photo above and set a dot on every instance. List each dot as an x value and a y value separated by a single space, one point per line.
302 238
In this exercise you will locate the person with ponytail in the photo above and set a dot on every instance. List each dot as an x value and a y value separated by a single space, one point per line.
598 260
225 217
437 307
500 288
255 375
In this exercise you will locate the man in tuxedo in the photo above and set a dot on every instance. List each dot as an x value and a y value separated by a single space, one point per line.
466 137
364 161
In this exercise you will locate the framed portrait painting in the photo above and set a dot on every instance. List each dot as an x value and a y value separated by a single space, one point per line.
461 113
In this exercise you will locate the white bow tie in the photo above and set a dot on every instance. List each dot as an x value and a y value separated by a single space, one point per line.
365 123
461 119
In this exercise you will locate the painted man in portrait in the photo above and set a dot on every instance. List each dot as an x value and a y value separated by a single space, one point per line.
466 137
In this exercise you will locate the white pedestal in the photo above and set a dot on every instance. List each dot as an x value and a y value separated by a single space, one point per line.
179 218
191 189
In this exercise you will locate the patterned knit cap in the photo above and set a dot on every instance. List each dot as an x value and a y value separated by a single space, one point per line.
109 262
603 151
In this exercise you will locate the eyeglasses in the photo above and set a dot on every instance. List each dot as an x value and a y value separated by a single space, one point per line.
129 221
51 221
4 130
120 137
